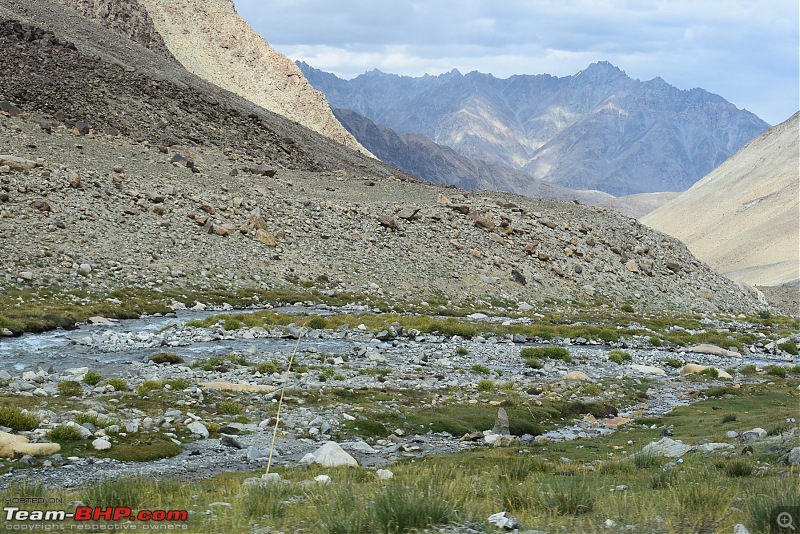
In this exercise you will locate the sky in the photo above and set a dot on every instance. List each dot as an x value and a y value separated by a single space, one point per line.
748 52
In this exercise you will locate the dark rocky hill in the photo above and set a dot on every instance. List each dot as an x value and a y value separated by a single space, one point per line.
598 129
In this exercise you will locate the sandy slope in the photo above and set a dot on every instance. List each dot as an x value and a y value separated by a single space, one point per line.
215 43
640 204
743 219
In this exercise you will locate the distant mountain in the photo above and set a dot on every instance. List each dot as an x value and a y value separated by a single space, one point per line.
418 155
598 129
743 219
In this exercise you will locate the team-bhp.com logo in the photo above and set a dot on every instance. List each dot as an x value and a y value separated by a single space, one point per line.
86 518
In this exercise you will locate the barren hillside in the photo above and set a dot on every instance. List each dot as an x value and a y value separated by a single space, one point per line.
743 219
211 40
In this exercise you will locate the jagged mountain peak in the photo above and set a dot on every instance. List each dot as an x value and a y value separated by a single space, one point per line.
598 129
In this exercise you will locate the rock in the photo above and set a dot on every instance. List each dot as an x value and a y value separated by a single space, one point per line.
262 236
26 276
308 459
230 441
332 455
14 446
322 479
266 479
731 434
228 386
196 427
501 425
505 521
705 348
518 277
387 221
263 170
648 370
794 457
668 447
632 266
384 474
711 447
408 212
85 432
694 368
362 446
18 164
751 436
101 444
576 375
740 529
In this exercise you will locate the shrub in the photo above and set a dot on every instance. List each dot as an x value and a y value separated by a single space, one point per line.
795 370
534 363
326 374
485 385
749 369
231 407
480 369
17 420
64 434
147 386
117 383
777 370
644 459
70 388
788 346
619 356
673 362
317 323
729 418
627 308
557 353
91 378
710 372
462 351
266 368
165 357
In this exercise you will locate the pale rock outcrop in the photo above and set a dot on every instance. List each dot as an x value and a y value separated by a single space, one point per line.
210 39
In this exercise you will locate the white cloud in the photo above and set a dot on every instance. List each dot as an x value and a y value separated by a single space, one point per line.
745 51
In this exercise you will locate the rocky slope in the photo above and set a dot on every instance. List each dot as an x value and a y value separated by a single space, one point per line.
218 45
134 172
598 129
744 217
419 156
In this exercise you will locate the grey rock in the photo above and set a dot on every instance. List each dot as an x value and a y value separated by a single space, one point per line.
196 427
751 436
667 447
332 455
501 424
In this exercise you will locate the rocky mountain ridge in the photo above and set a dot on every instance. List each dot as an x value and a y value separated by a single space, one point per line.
419 156
598 129
127 171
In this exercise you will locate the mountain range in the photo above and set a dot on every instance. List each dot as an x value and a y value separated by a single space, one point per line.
123 169
596 130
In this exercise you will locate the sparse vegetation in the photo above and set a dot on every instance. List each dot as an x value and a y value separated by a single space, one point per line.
69 388
673 362
788 346
64 434
480 369
18 420
619 356
92 378
165 357
533 353
777 370
462 351
117 383
485 385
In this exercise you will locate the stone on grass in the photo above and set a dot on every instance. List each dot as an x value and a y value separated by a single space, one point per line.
384 474
332 455
750 436
501 425
576 375
101 444
705 348
668 447
14 446
196 427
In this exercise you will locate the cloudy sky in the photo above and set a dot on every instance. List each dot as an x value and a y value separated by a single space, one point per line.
744 50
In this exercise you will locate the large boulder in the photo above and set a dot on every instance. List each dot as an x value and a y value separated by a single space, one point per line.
332 455
14 446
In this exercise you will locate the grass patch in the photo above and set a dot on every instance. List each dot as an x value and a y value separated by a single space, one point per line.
117 383
485 385
143 450
777 370
556 353
65 434
92 378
